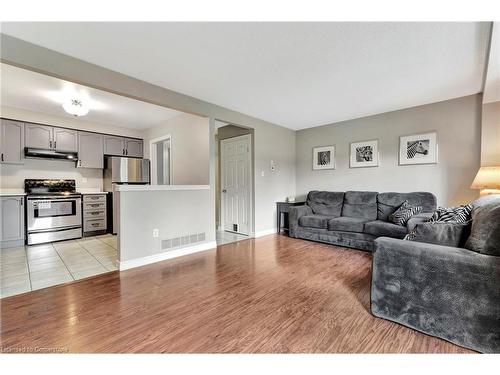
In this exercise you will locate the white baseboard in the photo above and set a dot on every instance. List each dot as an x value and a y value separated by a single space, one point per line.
265 232
138 262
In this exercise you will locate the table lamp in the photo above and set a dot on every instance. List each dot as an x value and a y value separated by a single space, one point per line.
488 180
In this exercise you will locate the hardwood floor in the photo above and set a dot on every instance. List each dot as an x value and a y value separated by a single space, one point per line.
269 295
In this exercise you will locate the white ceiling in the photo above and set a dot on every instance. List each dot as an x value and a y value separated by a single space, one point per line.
297 75
24 89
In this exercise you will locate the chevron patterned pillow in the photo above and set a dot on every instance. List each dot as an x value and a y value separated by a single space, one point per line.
458 214
404 213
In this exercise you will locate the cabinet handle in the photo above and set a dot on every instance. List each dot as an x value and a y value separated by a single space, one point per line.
2 156
50 144
55 144
126 152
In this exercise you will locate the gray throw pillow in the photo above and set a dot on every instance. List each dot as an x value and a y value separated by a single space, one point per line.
485 231
445 234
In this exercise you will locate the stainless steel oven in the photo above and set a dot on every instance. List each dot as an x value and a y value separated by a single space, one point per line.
53 215
53 218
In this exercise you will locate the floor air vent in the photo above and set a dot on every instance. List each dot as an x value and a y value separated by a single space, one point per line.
182 241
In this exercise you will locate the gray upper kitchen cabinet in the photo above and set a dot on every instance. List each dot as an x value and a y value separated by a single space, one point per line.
12 228
38 136
90 150
114 145
133 147
12 142
65 140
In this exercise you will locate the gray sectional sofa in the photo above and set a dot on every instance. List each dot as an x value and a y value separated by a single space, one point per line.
449 292
354 218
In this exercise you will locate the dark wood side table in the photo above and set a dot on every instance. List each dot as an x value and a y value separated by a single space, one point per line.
282 208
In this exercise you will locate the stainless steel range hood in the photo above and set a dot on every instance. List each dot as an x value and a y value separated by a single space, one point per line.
40 153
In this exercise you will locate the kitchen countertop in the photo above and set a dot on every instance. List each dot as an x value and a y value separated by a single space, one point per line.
20 192
84 192
122 188
12 192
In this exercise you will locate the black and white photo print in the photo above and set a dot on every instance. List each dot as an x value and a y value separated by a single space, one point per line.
418 149
364 154
324 157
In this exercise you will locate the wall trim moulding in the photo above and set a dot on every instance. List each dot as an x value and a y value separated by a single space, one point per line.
265 232
138 262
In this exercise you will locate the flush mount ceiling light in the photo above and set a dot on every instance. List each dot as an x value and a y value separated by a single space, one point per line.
75 107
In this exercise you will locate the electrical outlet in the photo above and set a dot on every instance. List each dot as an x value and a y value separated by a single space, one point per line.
273 166
156 233
262 173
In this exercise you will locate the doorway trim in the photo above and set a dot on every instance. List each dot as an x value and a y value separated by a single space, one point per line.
250 191
152 157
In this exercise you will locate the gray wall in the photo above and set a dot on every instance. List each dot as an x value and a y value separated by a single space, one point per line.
189 145
490 136
458 124
175 213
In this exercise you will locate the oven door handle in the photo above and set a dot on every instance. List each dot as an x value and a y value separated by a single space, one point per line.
54 198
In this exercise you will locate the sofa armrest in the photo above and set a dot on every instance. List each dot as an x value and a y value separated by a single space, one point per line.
417 219
448 292
294 215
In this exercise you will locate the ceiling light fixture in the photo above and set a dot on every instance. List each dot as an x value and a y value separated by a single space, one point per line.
75 107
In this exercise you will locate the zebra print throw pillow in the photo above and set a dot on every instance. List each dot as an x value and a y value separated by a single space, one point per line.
459 214
404 213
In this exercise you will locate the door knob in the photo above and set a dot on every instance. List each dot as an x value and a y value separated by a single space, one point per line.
224 190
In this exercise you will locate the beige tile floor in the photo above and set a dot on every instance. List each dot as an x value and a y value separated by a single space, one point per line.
35 267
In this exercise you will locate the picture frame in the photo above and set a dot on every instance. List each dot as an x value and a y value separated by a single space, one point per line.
324 157
418 149
364 154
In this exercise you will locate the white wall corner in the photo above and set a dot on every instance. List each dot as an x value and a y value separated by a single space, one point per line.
265 232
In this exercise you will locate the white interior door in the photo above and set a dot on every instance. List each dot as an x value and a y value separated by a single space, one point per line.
235 184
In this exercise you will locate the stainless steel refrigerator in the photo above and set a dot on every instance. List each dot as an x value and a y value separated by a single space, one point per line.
122 171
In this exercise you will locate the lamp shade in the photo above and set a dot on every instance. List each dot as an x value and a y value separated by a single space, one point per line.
487 178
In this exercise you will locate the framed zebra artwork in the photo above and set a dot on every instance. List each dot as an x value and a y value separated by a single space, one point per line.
418 149
324 157
364 154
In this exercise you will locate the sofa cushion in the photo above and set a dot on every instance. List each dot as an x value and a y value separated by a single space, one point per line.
381 228
326 202
314 221
387 203
440 233
361 204
485 231
347 224
417 219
